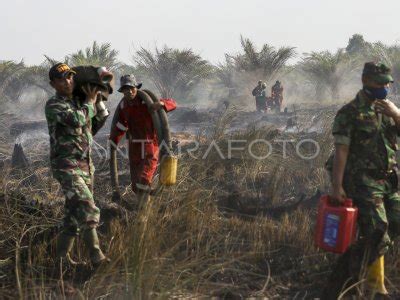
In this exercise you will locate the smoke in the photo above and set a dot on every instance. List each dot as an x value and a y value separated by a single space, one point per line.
30 105
28 138
235 87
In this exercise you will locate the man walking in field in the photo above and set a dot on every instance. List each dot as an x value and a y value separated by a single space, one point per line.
132 116
364 169
70 129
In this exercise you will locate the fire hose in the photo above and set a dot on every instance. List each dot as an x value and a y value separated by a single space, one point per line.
161 125
166 132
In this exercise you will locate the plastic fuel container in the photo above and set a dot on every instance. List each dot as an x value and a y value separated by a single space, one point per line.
336 225
168 170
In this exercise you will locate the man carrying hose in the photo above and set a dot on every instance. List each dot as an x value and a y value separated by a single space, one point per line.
364 169
133 116
70 129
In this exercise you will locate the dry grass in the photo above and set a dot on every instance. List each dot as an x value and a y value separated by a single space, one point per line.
195 239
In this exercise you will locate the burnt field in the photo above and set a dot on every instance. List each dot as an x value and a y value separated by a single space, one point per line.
236 224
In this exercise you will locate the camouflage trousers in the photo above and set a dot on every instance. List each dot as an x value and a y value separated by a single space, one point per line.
80 209
378 203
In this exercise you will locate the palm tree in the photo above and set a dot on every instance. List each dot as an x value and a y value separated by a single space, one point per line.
174 72
268 61
37 76
96 55
11 83
15 78
327 71
226 73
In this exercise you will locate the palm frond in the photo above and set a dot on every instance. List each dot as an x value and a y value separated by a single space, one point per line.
268 61
97 55
327 71
174 72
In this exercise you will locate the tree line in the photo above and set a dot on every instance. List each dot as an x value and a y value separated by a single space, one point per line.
177 72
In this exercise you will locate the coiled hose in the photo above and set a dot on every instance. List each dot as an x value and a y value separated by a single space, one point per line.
166 132
161 125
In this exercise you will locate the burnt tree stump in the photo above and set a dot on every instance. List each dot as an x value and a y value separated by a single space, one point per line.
19 159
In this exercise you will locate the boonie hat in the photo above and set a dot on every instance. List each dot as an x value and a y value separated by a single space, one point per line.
128 80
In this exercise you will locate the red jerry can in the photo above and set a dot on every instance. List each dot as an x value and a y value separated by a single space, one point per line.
336 225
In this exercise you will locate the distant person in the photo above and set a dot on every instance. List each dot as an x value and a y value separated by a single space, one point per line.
70 129
363 168
260 96
132 116
277 95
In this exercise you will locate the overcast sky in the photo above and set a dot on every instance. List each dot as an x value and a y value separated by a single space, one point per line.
30 29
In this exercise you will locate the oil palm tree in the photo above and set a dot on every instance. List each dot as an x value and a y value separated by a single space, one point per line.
327 71
11 83
15 78
37 75
267 62
174 72
97 55
226 74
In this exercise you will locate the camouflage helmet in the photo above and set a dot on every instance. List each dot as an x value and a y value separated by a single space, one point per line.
378 72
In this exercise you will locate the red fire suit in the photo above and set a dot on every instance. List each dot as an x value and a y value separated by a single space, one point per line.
132 116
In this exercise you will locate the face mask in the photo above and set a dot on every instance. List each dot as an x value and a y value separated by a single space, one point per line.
378 93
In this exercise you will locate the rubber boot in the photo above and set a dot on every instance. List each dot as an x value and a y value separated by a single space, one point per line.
91 241
376 277
64 246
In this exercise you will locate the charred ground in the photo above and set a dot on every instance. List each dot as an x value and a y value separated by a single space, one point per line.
235 227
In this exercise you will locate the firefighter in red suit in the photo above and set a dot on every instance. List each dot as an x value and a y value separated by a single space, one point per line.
132 117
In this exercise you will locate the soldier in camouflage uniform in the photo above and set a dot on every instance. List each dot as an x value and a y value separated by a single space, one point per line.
70 128
364 168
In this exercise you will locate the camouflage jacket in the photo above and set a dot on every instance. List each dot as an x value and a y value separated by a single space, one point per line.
71 133
371 137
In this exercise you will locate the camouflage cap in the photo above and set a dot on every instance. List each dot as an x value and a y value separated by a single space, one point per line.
378 72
